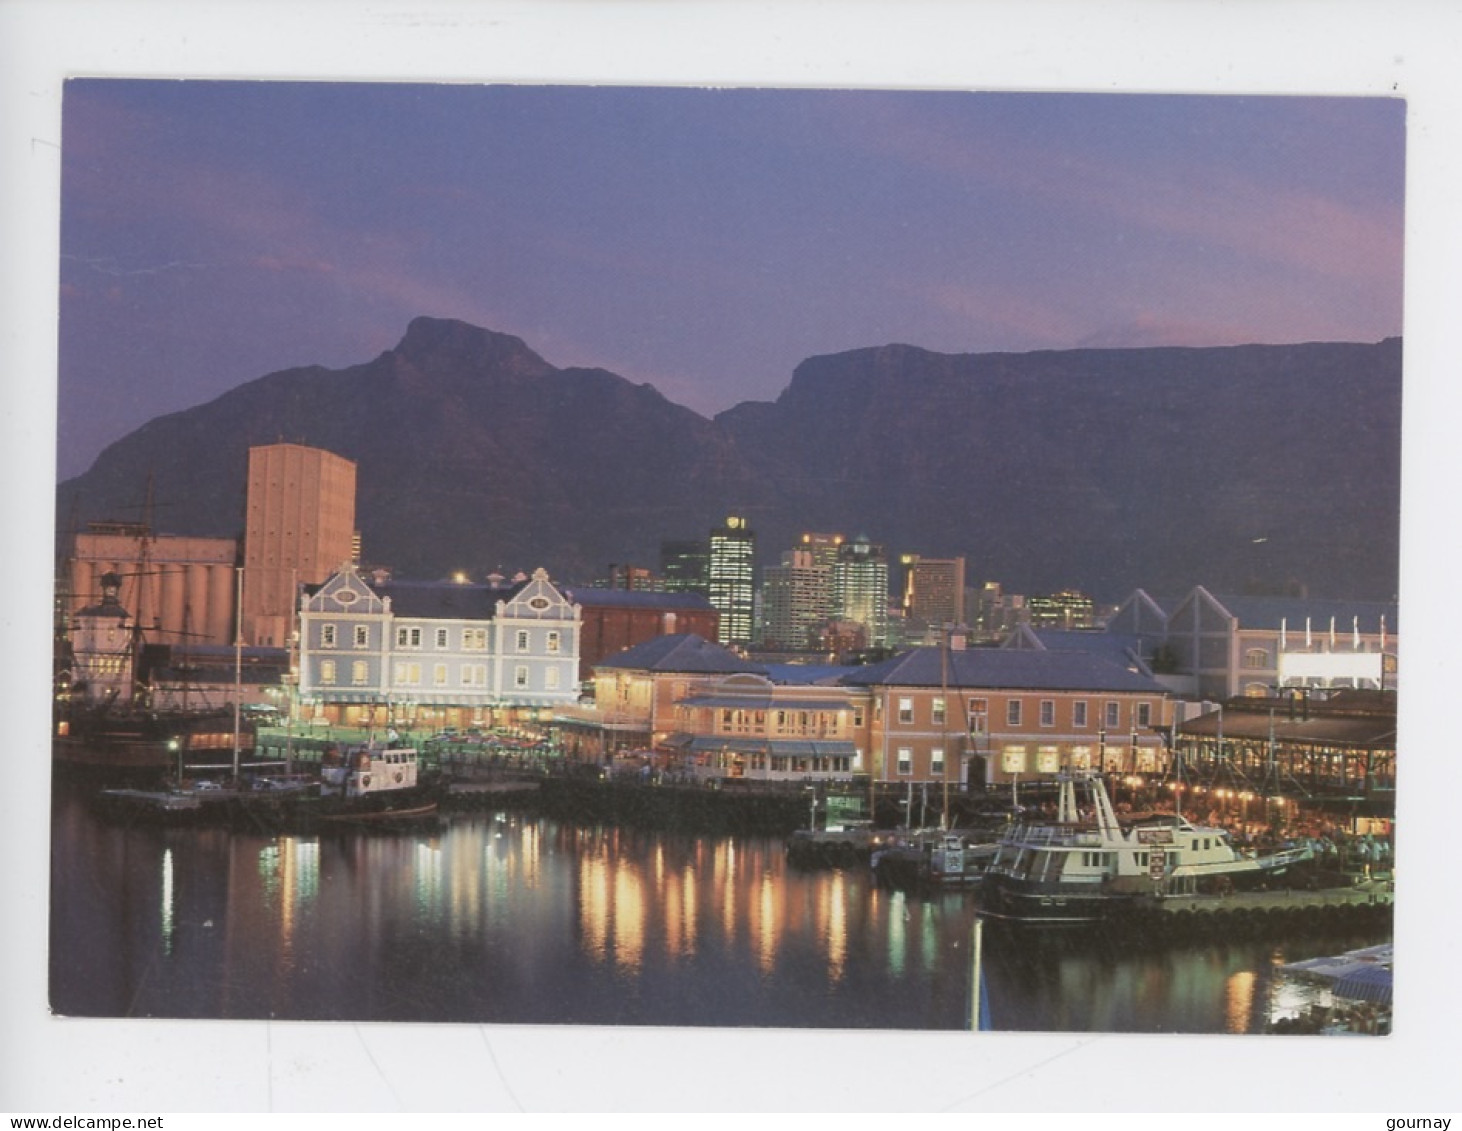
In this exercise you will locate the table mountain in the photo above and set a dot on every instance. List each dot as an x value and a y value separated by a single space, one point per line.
1238 467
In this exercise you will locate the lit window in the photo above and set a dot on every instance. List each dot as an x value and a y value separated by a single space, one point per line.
553 643
327 671
550 679
360 673
439 674
937 712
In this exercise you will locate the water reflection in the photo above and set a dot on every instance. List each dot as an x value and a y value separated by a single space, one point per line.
518 920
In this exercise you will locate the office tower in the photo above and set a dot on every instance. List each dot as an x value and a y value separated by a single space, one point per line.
730 579
797 600
934 592
683 565
1065 609
860 588
299 528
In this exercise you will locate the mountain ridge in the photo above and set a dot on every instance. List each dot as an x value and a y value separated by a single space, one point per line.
1101 469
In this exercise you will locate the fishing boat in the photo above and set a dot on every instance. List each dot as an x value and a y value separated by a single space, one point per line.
1086 865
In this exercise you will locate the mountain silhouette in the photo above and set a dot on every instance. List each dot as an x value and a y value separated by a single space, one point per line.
1258 468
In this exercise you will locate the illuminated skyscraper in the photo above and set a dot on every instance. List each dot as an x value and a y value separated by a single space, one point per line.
860 588
730 577
934 593
797 600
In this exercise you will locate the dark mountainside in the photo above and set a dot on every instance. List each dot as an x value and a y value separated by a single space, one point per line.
1245 468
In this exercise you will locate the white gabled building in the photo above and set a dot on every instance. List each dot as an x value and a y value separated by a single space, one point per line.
435 653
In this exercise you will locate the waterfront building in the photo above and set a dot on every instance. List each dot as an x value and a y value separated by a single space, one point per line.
797 598
636 690
299 526
1251 753
1210 646
755 727
611 620
103 649
435 653
934 596
860 588
178 588
988 716
730 579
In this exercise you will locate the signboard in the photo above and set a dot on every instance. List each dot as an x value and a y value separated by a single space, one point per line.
1081 757
1157 863
1012 760
1155 836
1048 759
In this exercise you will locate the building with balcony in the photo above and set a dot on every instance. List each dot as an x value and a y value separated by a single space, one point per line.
434 654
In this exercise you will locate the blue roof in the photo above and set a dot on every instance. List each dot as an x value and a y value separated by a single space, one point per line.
1004 668
808 673
1119 647
681 652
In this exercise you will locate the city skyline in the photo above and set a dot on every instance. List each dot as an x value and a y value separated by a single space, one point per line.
703 241
1405 50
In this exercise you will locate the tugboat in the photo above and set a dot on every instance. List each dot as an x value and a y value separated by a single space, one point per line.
1086 866
373 782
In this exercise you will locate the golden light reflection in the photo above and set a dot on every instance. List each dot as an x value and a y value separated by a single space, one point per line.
837 926
594 905
766 924
678 897
1238 1001
531 850
629 919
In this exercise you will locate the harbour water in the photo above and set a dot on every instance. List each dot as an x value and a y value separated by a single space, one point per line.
515 919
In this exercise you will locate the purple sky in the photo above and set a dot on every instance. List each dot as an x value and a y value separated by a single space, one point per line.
702 241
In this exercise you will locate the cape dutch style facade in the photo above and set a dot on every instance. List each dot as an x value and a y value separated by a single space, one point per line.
435 653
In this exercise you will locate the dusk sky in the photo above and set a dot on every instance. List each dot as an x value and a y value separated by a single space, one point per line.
704 241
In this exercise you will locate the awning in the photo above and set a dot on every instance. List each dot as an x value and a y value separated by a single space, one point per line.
1371 983
716 744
